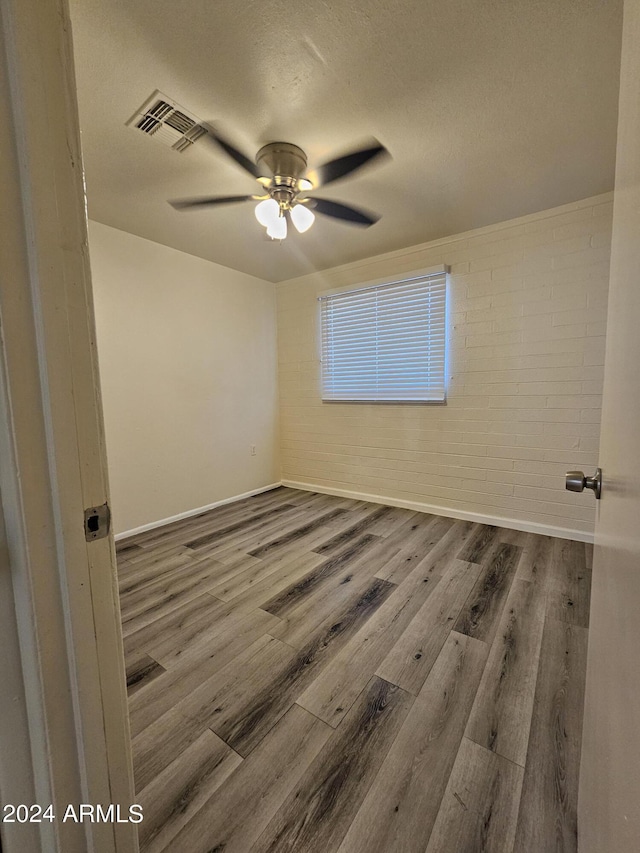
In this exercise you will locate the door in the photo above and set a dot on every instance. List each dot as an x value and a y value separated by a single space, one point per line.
64 729
609 803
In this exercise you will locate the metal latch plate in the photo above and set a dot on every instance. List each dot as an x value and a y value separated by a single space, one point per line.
97 522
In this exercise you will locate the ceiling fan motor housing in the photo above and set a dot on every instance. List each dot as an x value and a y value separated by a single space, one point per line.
283 160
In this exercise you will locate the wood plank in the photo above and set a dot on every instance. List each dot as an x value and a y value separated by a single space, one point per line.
258 519
203 607
535 564
299 534
335 690
570 587
548 808
153 570
220 639
242 709
480 806
329 598
286 568
443 535
125 548
396 517
402 804
141 670
181 789
159 744
410 660
501 715
480 544
239 811
481 613
242 581
336 543
317 578
207 521
228 548
168 690
319 810
138 612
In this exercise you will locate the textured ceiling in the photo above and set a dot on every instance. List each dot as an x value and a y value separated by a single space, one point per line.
491 109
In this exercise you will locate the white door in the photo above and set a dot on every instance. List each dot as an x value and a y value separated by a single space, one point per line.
609 806
64 728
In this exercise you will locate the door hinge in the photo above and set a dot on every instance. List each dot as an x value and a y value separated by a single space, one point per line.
97 522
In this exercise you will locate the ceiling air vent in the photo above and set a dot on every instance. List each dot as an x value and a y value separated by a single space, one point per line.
167 122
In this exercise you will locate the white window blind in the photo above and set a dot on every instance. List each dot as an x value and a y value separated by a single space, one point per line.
385 342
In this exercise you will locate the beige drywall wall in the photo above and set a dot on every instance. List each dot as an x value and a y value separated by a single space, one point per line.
187 352
527 323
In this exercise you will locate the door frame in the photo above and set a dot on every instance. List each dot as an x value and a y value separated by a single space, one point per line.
69 683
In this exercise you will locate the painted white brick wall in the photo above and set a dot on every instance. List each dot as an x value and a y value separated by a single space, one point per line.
528 303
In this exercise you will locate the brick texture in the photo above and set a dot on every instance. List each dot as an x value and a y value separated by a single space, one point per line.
527 323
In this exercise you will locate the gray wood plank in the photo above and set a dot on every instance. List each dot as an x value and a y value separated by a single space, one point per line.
239 811
141 670
570 587
181 789
156 569
396 517
410 660
402 804
263 585
329 598
548 808
148 606
242 581
299 534
242 711
317 578
336 543
335 690
443 535
259 519
535 564
170 689
479 617
480 806
203 607
213 639
501 715
319 810
480 544
159 744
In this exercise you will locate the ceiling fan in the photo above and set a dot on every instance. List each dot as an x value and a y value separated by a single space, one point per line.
279 167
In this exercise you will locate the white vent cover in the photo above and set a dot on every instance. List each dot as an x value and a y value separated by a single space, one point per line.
167 122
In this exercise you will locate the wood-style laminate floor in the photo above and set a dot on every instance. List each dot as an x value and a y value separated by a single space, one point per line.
314 674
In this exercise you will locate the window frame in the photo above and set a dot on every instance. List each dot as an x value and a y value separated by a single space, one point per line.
370 285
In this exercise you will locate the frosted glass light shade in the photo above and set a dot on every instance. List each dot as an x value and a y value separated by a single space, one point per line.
267 212
278 230
302 218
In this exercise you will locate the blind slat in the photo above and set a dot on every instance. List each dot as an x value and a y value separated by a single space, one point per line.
385 342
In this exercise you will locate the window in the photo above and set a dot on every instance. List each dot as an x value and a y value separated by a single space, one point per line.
385 342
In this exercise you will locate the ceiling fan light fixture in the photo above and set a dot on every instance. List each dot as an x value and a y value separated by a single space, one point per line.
268 212
277 230
302 217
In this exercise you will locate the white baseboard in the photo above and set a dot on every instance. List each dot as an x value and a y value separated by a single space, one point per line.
191 512
498 521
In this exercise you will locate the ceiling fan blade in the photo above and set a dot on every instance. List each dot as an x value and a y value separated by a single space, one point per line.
195 203
349 163
343 211
243 161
